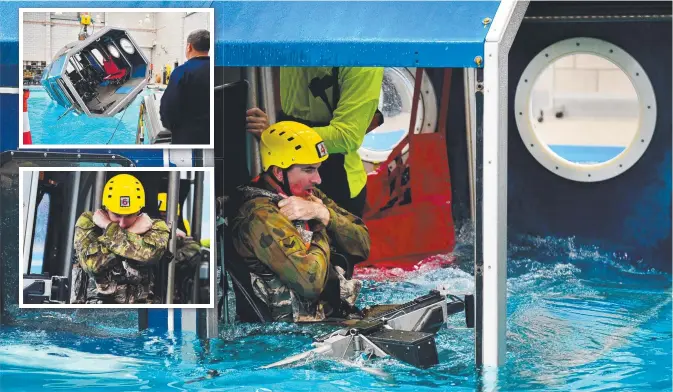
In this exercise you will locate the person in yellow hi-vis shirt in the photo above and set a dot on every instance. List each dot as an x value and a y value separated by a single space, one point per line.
341 104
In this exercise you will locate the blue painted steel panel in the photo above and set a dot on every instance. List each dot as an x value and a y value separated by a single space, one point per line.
629 213
140 157
9 60
9 122
56 67
427 34
157 320
139 71
124 90
424 33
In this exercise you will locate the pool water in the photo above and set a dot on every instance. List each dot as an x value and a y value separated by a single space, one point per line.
46 128
382 141
578 319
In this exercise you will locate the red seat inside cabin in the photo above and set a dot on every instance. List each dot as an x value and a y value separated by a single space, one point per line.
113 72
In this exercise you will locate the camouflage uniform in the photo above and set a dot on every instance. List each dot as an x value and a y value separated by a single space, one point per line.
289 262
117 262
186 263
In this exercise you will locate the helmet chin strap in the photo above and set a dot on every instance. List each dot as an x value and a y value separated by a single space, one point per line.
285 185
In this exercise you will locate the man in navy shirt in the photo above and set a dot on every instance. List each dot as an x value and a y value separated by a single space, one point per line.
185 105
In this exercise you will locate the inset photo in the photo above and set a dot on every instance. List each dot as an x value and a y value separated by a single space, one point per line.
132 78
105 238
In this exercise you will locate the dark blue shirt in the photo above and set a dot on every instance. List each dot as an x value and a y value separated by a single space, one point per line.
185 105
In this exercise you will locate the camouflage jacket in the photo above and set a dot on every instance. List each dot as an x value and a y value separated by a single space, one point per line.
289 261
117 262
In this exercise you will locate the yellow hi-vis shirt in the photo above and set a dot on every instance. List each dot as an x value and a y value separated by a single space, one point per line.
360 89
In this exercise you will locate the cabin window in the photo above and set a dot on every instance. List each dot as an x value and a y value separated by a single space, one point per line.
113 51
395 102
585 109
127 46
40 235
98 56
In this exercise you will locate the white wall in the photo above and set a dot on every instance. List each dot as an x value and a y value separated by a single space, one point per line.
196 21
170 45
589 80
35 37
598 101
143 34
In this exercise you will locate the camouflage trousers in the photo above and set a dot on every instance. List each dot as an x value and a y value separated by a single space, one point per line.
287 306
116 286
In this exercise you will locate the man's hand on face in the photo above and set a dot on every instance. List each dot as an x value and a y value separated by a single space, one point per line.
256 121
297 208
101 219
315 199
142 225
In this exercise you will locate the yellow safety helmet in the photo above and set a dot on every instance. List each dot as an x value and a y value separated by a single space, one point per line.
161 198
124 195
290 143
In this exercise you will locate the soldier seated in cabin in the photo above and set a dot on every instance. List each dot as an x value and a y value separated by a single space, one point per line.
290 239
186 258
117 247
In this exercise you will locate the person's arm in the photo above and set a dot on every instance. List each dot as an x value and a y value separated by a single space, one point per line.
349 231
274 240
144 248
359 97
92 256
187 249
170 108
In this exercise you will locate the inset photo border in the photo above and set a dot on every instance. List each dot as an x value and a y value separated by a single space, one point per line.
95 77
99 245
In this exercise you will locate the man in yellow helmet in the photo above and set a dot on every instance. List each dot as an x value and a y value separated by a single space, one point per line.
341 105
285 232
161 198
117 245
186 260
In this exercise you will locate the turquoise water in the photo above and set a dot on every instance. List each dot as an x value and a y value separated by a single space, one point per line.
46 128
586 154
377 141
578 319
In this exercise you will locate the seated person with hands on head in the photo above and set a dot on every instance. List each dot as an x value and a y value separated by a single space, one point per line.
117 247
292 238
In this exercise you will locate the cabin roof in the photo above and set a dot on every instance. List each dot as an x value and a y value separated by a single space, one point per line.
425 34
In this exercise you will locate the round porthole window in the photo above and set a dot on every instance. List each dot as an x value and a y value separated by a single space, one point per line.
113 51
126 46
395 103
585 109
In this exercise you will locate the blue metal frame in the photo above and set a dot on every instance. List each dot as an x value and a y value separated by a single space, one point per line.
373 33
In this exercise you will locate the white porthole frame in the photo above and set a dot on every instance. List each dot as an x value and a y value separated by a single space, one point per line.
124 40
426 122
646 101
113 51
